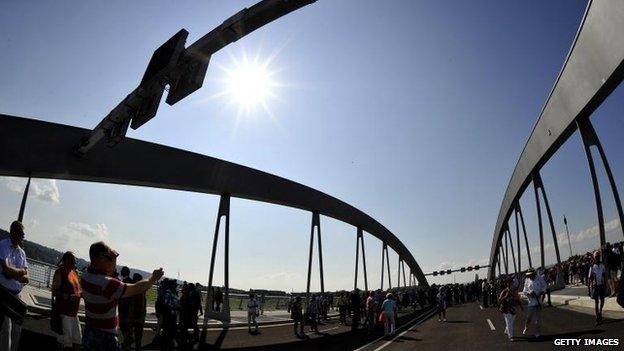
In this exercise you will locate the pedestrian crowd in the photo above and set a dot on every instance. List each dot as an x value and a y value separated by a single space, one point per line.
376 311
598 270
115 304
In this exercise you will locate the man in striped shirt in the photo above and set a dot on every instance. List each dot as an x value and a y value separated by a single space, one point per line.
101 293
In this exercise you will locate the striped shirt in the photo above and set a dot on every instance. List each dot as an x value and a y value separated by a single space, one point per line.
101 295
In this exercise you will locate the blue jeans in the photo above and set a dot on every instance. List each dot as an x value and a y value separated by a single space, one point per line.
97 340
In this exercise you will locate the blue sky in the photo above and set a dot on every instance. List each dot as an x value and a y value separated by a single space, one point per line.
413 111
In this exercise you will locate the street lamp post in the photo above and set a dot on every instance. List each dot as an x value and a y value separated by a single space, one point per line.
565 221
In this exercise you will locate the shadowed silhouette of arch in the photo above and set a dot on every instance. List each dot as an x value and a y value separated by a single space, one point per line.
32 148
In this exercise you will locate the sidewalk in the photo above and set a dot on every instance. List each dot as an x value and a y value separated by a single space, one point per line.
38 301
578 297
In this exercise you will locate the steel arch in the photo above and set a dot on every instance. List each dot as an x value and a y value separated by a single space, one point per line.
593 68
32 148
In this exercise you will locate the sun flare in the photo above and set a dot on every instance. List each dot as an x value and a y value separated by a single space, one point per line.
251 87
249 84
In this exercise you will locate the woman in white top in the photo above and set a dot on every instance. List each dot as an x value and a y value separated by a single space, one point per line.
597 278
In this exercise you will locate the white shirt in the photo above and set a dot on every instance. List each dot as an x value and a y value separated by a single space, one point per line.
252 306
533 286
598 271
15 257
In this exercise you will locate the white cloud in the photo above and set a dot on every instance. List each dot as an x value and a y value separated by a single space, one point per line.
15 184
95 232
31 224
586 238
446 265
78 237
45 190
581 242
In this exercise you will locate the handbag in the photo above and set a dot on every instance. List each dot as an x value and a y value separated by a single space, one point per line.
382 317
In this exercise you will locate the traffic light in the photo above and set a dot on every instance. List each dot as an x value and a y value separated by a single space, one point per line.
463 269
435 274
442 272
476 267
448 271
469 269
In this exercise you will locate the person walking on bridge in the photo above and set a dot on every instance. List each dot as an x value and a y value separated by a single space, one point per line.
101 293
138 311
13 277
123 309
507 301
371 310
356 304
313 312
261 303
533 290
441 305
485 292
389 309
218 300
252 313
66 294
597 278
297 316
170 311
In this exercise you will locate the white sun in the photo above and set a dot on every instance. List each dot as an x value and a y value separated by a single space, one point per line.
249 84
251 87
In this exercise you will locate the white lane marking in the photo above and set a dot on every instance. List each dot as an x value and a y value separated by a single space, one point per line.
431 313
326 330
491 325
481 307
396 337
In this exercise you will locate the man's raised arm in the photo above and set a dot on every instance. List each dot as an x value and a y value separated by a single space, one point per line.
143 285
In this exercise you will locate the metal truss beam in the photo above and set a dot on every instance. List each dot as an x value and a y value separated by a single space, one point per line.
592 70
32 148
590 138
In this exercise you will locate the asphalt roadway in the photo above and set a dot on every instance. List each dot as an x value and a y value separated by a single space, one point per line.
469 327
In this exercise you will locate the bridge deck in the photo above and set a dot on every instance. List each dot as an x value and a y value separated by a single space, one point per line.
467 328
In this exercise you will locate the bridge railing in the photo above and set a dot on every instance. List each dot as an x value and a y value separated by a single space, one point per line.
40 273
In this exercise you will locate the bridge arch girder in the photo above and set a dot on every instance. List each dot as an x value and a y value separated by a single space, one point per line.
33 148
592 70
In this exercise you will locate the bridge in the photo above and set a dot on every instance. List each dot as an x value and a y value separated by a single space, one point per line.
593 69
